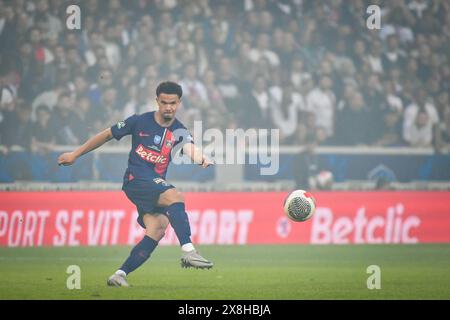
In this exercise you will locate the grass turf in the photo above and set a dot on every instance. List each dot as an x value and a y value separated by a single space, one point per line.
241 272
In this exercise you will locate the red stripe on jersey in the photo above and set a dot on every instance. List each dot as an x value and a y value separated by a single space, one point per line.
166 148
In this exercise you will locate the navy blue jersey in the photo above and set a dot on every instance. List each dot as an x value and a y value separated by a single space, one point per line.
152 144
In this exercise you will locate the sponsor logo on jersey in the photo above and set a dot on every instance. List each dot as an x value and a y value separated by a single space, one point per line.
150 156
142 134
120 124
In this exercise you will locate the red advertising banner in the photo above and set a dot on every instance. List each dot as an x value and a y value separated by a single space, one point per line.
107 218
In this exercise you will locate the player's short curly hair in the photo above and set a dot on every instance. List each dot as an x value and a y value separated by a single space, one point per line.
169 87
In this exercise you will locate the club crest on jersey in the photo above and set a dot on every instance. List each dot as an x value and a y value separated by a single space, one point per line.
120 124
157 139
169 143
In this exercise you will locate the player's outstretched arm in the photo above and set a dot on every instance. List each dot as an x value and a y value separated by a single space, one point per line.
68 158
196 155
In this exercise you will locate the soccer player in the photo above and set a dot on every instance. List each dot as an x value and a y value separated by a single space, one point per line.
154 135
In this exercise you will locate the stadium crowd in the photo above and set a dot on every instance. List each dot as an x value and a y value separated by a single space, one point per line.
311 68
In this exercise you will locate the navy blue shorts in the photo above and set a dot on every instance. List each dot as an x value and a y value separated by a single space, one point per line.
145 194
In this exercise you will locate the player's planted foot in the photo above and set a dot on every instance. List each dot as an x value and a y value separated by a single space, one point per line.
117 280
194 260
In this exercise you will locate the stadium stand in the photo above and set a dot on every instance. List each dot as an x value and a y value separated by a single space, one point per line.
309 68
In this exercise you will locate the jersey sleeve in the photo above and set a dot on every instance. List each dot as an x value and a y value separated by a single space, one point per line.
124 128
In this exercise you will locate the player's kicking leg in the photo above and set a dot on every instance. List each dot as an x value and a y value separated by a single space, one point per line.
173 201
155 226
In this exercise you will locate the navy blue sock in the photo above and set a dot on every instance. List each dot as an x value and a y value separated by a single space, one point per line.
180 222
140 253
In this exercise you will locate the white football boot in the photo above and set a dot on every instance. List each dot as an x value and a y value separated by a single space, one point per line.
117 280
192 259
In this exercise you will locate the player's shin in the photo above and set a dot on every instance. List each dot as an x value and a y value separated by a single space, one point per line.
179 220
140 253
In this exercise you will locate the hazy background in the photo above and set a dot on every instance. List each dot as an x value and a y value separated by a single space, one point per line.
370 105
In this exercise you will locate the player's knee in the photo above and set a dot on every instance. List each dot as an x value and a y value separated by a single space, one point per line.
156 233
156 226
163 222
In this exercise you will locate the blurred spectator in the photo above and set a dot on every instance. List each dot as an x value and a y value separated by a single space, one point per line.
42 144
215 97
16 126
7 96
393 100
420 132
79 87
419 119
64 122
375 57
104 81
322 101
354 122
285 108
394 57
201 54
341 59
40 76
288 49
132 102
9 35
106 112
391 133
424 68
298 74
360 56
84 113
194 91
47 98
262 49
16 132
399 18
219 30
43 138
418 8
442 103
442 134
228 85
46 20
306 129
256 109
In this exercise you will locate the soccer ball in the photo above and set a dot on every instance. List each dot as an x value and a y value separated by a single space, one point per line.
324 180
299 205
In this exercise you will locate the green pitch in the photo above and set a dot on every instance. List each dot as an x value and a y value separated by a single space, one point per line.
240 272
